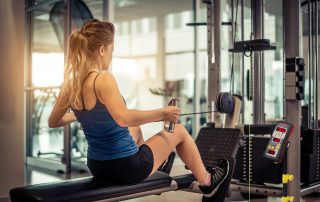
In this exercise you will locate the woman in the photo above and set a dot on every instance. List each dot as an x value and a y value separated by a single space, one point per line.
116 149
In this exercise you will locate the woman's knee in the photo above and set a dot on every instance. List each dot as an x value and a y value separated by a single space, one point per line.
181 130
181 127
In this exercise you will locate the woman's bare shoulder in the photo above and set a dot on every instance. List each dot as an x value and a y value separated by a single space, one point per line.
105 75
106 80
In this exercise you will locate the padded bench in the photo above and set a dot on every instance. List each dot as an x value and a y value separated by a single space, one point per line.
88 189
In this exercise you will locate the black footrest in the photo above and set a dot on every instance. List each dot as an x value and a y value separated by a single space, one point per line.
217 143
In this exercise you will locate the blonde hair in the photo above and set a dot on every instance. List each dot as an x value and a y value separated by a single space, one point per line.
81 54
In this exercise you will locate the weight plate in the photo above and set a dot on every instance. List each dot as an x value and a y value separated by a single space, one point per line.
218 102
227 103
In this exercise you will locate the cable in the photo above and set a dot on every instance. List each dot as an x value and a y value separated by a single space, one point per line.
187 114
248 53
251 77
249 161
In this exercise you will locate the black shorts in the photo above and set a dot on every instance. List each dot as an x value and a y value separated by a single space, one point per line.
130 169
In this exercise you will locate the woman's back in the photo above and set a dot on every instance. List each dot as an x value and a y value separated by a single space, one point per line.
106 139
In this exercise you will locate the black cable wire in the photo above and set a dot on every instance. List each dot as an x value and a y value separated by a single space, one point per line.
188 114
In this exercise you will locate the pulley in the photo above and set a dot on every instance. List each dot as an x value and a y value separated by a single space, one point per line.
225 103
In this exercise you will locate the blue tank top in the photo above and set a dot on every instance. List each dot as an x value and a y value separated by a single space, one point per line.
106 139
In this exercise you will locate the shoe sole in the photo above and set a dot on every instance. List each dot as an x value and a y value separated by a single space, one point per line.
167 165
215 189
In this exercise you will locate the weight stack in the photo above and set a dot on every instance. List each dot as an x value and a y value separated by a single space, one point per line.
310 156
262 170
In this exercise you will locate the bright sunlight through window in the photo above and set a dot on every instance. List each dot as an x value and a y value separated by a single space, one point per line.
47 69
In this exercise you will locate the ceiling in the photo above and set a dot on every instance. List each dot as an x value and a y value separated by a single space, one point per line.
46 38
130 9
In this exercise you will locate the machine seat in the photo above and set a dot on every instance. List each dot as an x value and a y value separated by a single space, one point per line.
86 189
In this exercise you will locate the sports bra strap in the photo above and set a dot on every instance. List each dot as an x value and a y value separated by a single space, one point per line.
82 99
94 85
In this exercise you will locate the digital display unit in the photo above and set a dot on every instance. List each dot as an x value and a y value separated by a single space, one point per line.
278 142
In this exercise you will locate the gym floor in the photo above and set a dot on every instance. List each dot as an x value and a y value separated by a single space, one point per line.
35 176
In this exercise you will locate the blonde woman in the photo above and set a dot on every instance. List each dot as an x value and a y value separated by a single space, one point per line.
116 149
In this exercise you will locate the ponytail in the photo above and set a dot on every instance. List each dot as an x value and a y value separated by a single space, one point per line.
77 67
80 55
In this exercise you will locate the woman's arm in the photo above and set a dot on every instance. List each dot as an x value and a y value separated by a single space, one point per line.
108 93
137 135
59 115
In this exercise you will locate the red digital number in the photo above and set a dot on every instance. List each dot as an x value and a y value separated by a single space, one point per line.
275 139
282 130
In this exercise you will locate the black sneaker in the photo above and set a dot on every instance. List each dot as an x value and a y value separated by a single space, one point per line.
218 175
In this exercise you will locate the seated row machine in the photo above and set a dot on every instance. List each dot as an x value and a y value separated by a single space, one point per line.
213 143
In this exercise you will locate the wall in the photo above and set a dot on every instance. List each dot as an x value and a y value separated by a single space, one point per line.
11 95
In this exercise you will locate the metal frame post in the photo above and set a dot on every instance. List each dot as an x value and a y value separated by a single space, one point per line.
161 49
28 77
293 33
29 89
232 37
213 67
66 159
310 64
217 48
108 10
242 80
316 103
197 84
29 94
258 72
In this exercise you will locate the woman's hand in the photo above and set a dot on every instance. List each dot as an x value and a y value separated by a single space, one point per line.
171 113
69 117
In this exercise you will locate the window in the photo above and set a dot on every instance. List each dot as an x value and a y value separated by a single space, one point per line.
157 42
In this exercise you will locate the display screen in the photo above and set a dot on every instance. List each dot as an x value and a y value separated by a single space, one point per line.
282 130
272 152
276 139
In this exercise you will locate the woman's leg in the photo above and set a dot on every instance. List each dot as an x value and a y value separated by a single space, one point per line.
163 143
136 134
